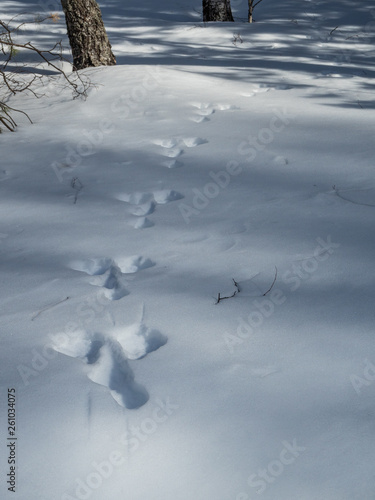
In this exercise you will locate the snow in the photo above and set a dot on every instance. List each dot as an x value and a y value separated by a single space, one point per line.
208 154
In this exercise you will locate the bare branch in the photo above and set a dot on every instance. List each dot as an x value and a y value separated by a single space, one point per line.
220 298
22 79
252 6
274 281
77 185
332 31
49 307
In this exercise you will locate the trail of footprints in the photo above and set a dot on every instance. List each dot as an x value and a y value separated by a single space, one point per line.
263 88
173 149
109 274
141 204
203 110
144 203
107 355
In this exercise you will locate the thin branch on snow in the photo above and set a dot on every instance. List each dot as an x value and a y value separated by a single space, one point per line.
77 185
49 307
332 31
338 193
220 298
237 39
274 281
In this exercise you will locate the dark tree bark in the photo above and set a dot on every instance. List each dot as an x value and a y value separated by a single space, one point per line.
217 10
87 35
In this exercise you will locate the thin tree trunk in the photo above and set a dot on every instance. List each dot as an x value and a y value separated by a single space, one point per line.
87 35
251 9
252 6
217 10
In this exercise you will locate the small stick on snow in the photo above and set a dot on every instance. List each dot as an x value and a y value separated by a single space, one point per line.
274 281
77 185
49 307
334 29
219 298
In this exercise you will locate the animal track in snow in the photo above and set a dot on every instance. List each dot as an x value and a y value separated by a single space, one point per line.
166 196
169 148
142 223
172 163
92 267
134 264
107 358
137 340
192 142
173 148
114 289
226 107
109 274
143 204
143 209
173 153
263 88
166 143
199 119
333 74
203 110
136 198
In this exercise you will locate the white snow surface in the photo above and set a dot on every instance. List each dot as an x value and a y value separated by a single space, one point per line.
211 159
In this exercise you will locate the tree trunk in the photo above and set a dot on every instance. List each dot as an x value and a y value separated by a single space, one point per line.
87 36
217 10
251 9
252 6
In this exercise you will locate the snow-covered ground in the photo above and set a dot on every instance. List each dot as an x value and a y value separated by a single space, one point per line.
212 159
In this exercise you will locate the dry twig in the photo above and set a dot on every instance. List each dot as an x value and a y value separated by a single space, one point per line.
274 281
219 298
19 78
